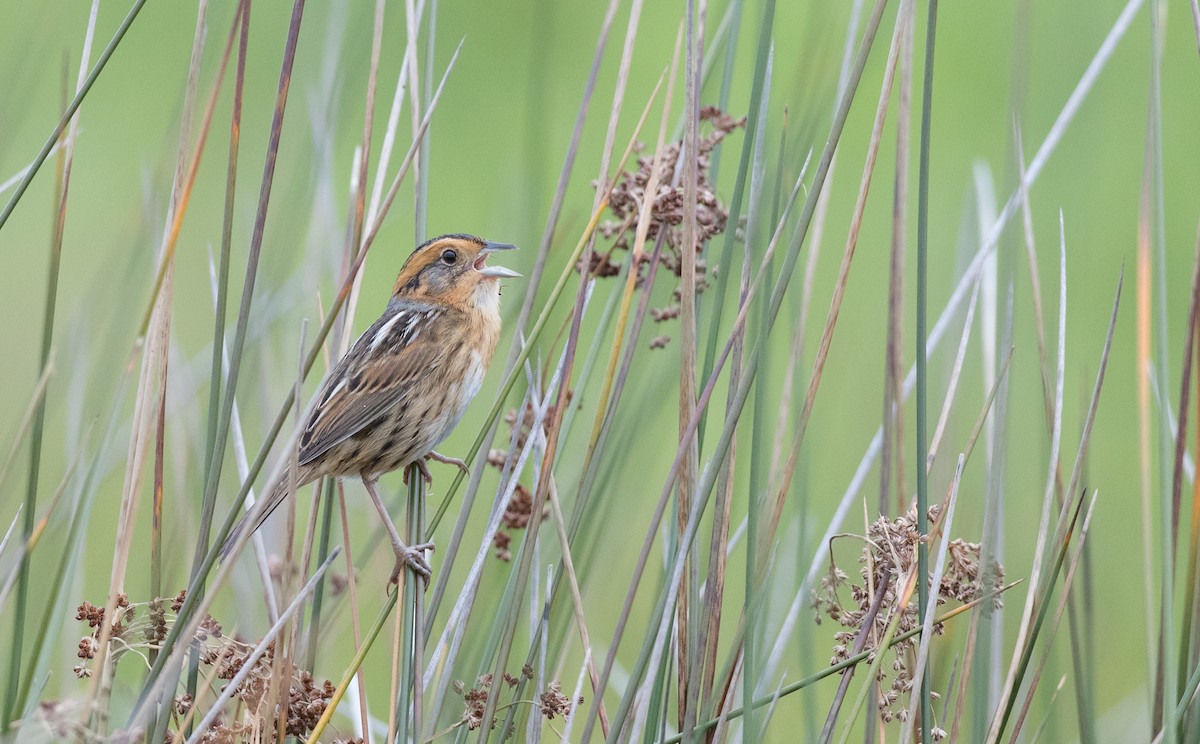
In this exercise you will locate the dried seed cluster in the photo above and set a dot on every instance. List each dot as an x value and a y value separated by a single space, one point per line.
124 617
888 556
143 626
550 703
667 212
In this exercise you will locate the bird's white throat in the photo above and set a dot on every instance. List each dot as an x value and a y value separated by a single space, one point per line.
487 296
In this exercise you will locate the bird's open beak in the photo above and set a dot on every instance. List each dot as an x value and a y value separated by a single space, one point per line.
494 272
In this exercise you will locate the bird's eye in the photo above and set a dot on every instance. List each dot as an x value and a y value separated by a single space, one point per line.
449 257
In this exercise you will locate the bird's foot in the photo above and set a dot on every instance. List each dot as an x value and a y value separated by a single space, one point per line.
412 557
425 474
460 464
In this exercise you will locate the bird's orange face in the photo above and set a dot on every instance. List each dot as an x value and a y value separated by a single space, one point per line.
453 270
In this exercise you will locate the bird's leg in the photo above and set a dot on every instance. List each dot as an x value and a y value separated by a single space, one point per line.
460 464
413 556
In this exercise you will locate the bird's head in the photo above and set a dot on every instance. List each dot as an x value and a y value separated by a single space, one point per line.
453 270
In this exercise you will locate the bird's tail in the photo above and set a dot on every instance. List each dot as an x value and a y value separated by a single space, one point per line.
254 519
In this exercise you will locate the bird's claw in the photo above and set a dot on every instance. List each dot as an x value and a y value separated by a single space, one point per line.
413 557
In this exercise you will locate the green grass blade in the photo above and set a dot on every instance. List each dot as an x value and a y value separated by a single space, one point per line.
922 374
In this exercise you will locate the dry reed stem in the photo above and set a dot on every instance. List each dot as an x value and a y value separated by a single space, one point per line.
1188 655
420 178
394 679
894 360
1185 382
689 473
789 468
1143 294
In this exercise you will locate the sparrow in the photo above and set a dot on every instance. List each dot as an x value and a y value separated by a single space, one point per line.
406 382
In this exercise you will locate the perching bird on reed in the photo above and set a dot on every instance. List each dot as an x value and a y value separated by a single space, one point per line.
406 382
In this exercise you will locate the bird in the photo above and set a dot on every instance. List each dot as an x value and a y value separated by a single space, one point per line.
405 383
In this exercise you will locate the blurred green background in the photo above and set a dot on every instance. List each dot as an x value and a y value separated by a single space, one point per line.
497 143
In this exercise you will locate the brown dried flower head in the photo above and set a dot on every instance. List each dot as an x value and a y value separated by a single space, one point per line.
887 558
553 702
550 703
668 210
305 700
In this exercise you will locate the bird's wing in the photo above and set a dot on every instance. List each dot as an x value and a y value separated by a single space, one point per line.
374 375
